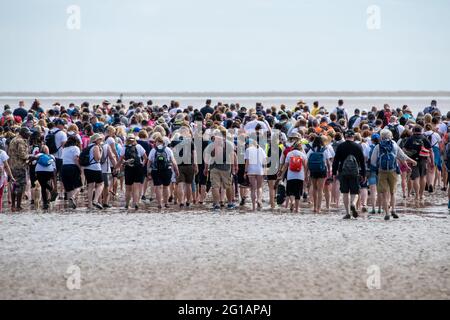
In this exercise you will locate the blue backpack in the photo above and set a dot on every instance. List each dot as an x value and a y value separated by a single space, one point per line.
387 160
316 161
44 160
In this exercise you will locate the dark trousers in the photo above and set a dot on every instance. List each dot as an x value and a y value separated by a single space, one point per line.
45 179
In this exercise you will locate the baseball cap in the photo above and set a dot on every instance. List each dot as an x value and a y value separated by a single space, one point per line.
349 133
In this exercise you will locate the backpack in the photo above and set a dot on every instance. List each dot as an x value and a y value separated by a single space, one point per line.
281 194
104 157
395 132
131 153
50 142
161 162
44 160
387 161
447 156
352 121
295 163
350 167
340 114
85 156
316 161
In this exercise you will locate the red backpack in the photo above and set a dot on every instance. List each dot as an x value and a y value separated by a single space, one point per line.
295 164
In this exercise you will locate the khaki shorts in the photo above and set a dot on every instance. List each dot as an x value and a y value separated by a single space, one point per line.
387 182
186 174
220 178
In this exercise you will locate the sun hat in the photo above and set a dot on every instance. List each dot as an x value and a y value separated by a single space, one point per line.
95 137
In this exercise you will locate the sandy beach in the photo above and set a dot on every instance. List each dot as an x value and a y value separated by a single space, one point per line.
195 254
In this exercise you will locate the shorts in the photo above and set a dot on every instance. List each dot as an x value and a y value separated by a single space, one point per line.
162 178
186 174
318 175
106 179
134 175
294 188
387 182
93 176
200 178
272 177
71 177
220 178
349 184
242 179
373 179
420 170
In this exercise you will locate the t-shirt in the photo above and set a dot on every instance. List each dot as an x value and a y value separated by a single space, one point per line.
60 139
106 165
252 125
95 166
256 159
433 137
327 154
50 168
70 154
292 175
152 155
4 177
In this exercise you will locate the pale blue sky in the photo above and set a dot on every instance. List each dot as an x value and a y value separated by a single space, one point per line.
233 45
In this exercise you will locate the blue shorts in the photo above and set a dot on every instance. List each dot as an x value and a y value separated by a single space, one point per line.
373 179
437 158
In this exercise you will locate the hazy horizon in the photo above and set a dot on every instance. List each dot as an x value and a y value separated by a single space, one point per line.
233 46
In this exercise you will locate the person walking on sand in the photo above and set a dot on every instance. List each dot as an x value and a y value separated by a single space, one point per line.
255 164
319 166
295 165
384 157
221 162
133 158
18 157
71 170
349 164
160 164
93 170
418 147
5 173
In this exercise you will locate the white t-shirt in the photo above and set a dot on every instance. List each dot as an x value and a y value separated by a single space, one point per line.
252 125
435 138
3 158
256 159
292 175
70 154
50 168
152 154
60 139
106 166
95 166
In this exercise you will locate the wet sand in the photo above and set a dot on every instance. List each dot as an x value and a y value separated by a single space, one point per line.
195 254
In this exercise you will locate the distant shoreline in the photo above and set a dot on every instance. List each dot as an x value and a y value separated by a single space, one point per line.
232 94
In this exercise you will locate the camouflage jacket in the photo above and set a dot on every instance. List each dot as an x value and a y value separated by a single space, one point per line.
18 153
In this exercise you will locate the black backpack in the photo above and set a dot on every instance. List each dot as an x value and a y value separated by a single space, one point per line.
281 194
352 121
395 132
50 142
85 156
161 163
132 156
340 114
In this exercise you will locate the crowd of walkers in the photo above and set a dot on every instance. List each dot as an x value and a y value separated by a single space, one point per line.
139 155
